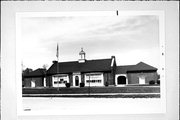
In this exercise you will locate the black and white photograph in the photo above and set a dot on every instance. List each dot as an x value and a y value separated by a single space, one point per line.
96 55
91 55
93 60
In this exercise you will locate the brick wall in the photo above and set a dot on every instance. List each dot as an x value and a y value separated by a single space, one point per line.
133 78
108 77
82 78
70 79
39 81
49 81
27 82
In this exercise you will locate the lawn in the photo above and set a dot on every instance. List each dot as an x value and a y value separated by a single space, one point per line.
87 90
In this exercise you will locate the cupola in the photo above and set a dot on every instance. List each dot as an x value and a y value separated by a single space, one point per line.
82 55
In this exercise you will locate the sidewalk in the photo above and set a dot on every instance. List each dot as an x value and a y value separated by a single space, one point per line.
99 95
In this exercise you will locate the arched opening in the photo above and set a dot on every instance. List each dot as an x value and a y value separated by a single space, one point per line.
76 81
121 80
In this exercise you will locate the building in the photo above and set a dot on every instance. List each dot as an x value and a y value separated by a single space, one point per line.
99 72
140 73
90 72
36 78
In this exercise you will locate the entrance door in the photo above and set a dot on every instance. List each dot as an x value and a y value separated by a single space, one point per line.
76 81
142 80
121 80
33 83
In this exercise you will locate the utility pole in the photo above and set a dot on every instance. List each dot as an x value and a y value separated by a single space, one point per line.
89 85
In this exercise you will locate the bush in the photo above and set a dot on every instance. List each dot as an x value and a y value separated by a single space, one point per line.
68 85
152 82
158 82
82 84
106 84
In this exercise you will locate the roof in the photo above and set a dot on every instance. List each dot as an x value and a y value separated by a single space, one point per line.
27 71
75 66
123 69
140 67
40 72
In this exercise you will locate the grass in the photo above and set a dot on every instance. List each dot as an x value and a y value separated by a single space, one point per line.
85 90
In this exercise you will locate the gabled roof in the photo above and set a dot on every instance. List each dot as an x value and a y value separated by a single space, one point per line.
123 69
40 72
75 66
140 67
27 71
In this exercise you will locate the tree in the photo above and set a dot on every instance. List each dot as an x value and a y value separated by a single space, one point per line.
27 70
45 66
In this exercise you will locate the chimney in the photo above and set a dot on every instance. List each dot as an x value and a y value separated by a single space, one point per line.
54 61
112 56
113 61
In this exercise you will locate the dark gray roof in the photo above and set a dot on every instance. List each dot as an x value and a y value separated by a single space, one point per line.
140 67
123 69
75 66
40 72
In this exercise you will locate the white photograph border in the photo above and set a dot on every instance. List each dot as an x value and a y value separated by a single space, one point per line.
11 104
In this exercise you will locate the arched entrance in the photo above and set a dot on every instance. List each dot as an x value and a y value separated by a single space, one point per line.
76 81
121 80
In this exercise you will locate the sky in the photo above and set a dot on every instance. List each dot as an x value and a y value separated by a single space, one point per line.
131 39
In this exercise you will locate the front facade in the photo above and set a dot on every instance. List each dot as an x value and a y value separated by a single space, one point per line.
84 73
76 78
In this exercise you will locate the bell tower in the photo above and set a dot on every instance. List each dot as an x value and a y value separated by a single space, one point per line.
82 55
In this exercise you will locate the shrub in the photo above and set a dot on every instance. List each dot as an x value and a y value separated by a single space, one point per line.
68 85
106 84
152 82
82 84
158 82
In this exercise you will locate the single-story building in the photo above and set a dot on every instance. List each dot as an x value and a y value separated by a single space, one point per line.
89 72
99 72
36 78
140 73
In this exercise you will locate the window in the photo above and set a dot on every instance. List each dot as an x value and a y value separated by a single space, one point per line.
60 80
94 79
57 82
